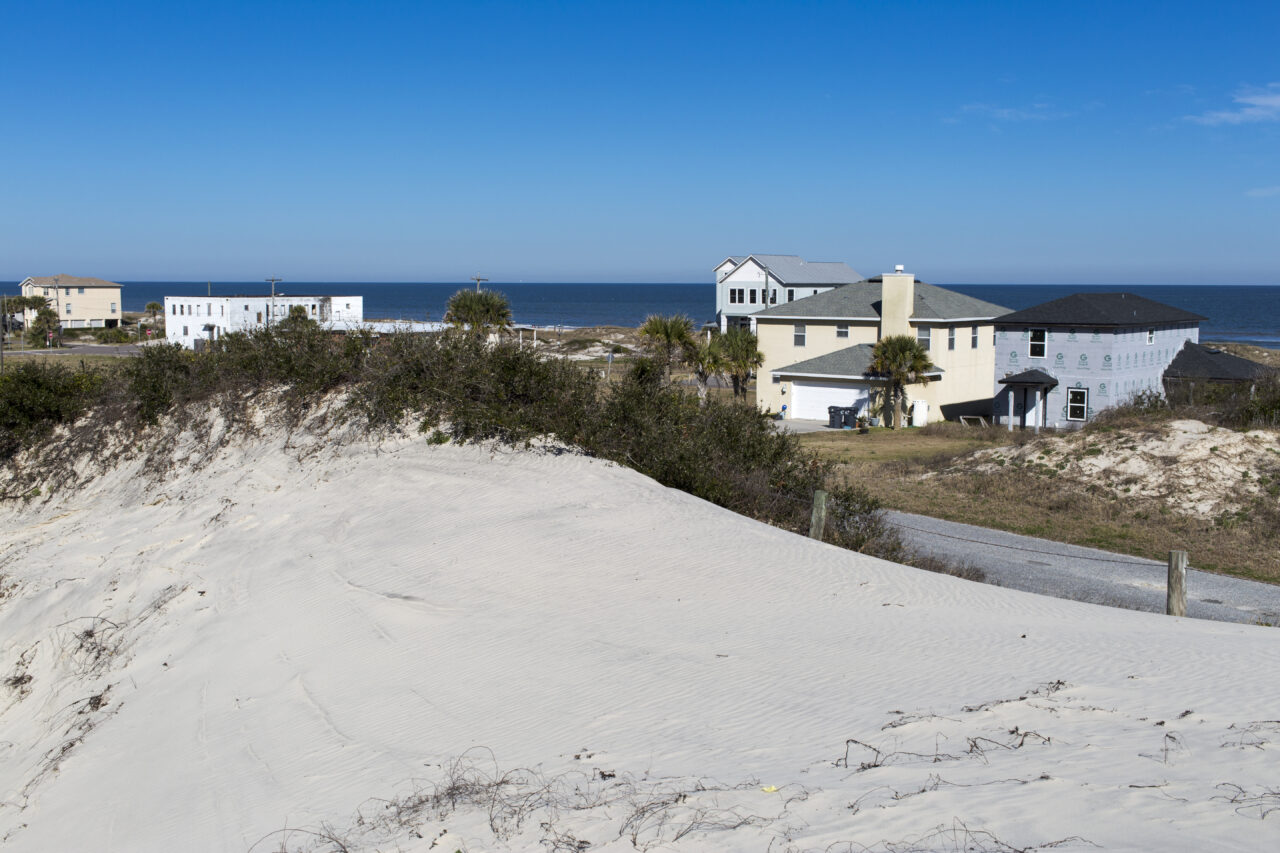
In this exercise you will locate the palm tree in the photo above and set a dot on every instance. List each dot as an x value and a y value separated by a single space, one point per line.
741 356
900 360
153 308
706 359
667 337
478 311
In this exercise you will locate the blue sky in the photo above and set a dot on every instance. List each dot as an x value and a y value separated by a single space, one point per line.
362 141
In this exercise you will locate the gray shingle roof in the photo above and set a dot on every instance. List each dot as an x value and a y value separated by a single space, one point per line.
1195 361
793 269
1101 309
862 300
851 361
1034 376
68 281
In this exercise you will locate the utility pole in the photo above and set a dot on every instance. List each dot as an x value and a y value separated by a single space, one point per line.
477 279
274 281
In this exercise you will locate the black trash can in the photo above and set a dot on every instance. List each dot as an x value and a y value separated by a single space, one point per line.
834 417
850 414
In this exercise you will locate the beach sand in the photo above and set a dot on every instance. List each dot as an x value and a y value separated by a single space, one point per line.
300 641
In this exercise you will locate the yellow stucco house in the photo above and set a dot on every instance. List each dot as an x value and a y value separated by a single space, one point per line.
81 303
817 350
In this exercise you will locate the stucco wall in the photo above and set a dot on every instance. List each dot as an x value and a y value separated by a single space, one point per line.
94 308
777 343
965 387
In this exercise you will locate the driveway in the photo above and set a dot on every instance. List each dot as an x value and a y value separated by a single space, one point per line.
1087 574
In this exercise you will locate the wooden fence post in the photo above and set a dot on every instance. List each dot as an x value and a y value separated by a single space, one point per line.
1176 592
819 520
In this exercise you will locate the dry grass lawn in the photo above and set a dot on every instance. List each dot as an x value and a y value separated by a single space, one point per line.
932 472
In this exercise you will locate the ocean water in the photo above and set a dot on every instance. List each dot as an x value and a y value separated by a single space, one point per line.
1233 313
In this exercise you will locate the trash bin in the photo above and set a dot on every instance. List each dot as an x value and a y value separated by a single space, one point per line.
833 417
850 414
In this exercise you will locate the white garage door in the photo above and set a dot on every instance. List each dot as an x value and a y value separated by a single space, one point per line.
811 397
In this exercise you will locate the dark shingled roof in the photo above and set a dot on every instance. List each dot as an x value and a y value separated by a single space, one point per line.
1101 309
851 361
862 300
1034 376
1195 361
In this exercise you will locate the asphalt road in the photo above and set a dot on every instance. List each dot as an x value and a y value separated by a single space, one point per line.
1087 574
78 350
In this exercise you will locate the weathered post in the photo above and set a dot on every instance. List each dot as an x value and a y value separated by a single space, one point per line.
819 520
1176 591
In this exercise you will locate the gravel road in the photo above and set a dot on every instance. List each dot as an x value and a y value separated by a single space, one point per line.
1087 574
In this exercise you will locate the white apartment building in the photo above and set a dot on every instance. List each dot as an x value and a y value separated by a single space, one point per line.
193 320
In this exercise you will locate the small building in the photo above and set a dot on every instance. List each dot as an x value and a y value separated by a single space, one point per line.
746 284
80 303
192 320
1061 362
1196 369
817 350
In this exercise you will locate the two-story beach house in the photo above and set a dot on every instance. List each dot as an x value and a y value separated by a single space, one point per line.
746 284
817 350
194 320
80 303
1061 362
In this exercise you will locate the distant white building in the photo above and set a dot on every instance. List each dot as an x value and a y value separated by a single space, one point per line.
189 319
746 284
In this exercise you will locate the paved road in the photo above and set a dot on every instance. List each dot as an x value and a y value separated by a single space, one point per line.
79 350
1087 574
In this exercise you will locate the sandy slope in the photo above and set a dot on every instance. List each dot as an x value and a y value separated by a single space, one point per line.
357 640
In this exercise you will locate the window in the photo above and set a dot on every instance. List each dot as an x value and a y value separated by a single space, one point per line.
1151 336
247 308
174 310
799 335
1036 342
923 336
259 316
777 380
791 295
733 296
80 291
973 339
842 330
753 296
951 337
208 307
773 297
1077 404
68 307
66 291
815 291
185 332
113 308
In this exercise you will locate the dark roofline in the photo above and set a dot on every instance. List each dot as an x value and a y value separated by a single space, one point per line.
1109 310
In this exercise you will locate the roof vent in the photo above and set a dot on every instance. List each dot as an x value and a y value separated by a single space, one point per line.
899 268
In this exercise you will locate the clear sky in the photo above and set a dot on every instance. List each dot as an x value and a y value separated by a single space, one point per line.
1084 142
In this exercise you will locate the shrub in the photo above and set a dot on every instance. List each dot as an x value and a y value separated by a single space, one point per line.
115 335
36 396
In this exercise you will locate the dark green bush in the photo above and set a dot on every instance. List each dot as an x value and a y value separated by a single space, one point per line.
115 335
36 396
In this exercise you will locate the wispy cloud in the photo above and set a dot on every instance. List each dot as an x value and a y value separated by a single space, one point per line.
1263 192
1254 104
1038 111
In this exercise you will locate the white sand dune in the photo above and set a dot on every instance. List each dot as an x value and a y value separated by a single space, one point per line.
409 647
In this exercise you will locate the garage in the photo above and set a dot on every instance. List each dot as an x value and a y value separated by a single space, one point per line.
811 397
